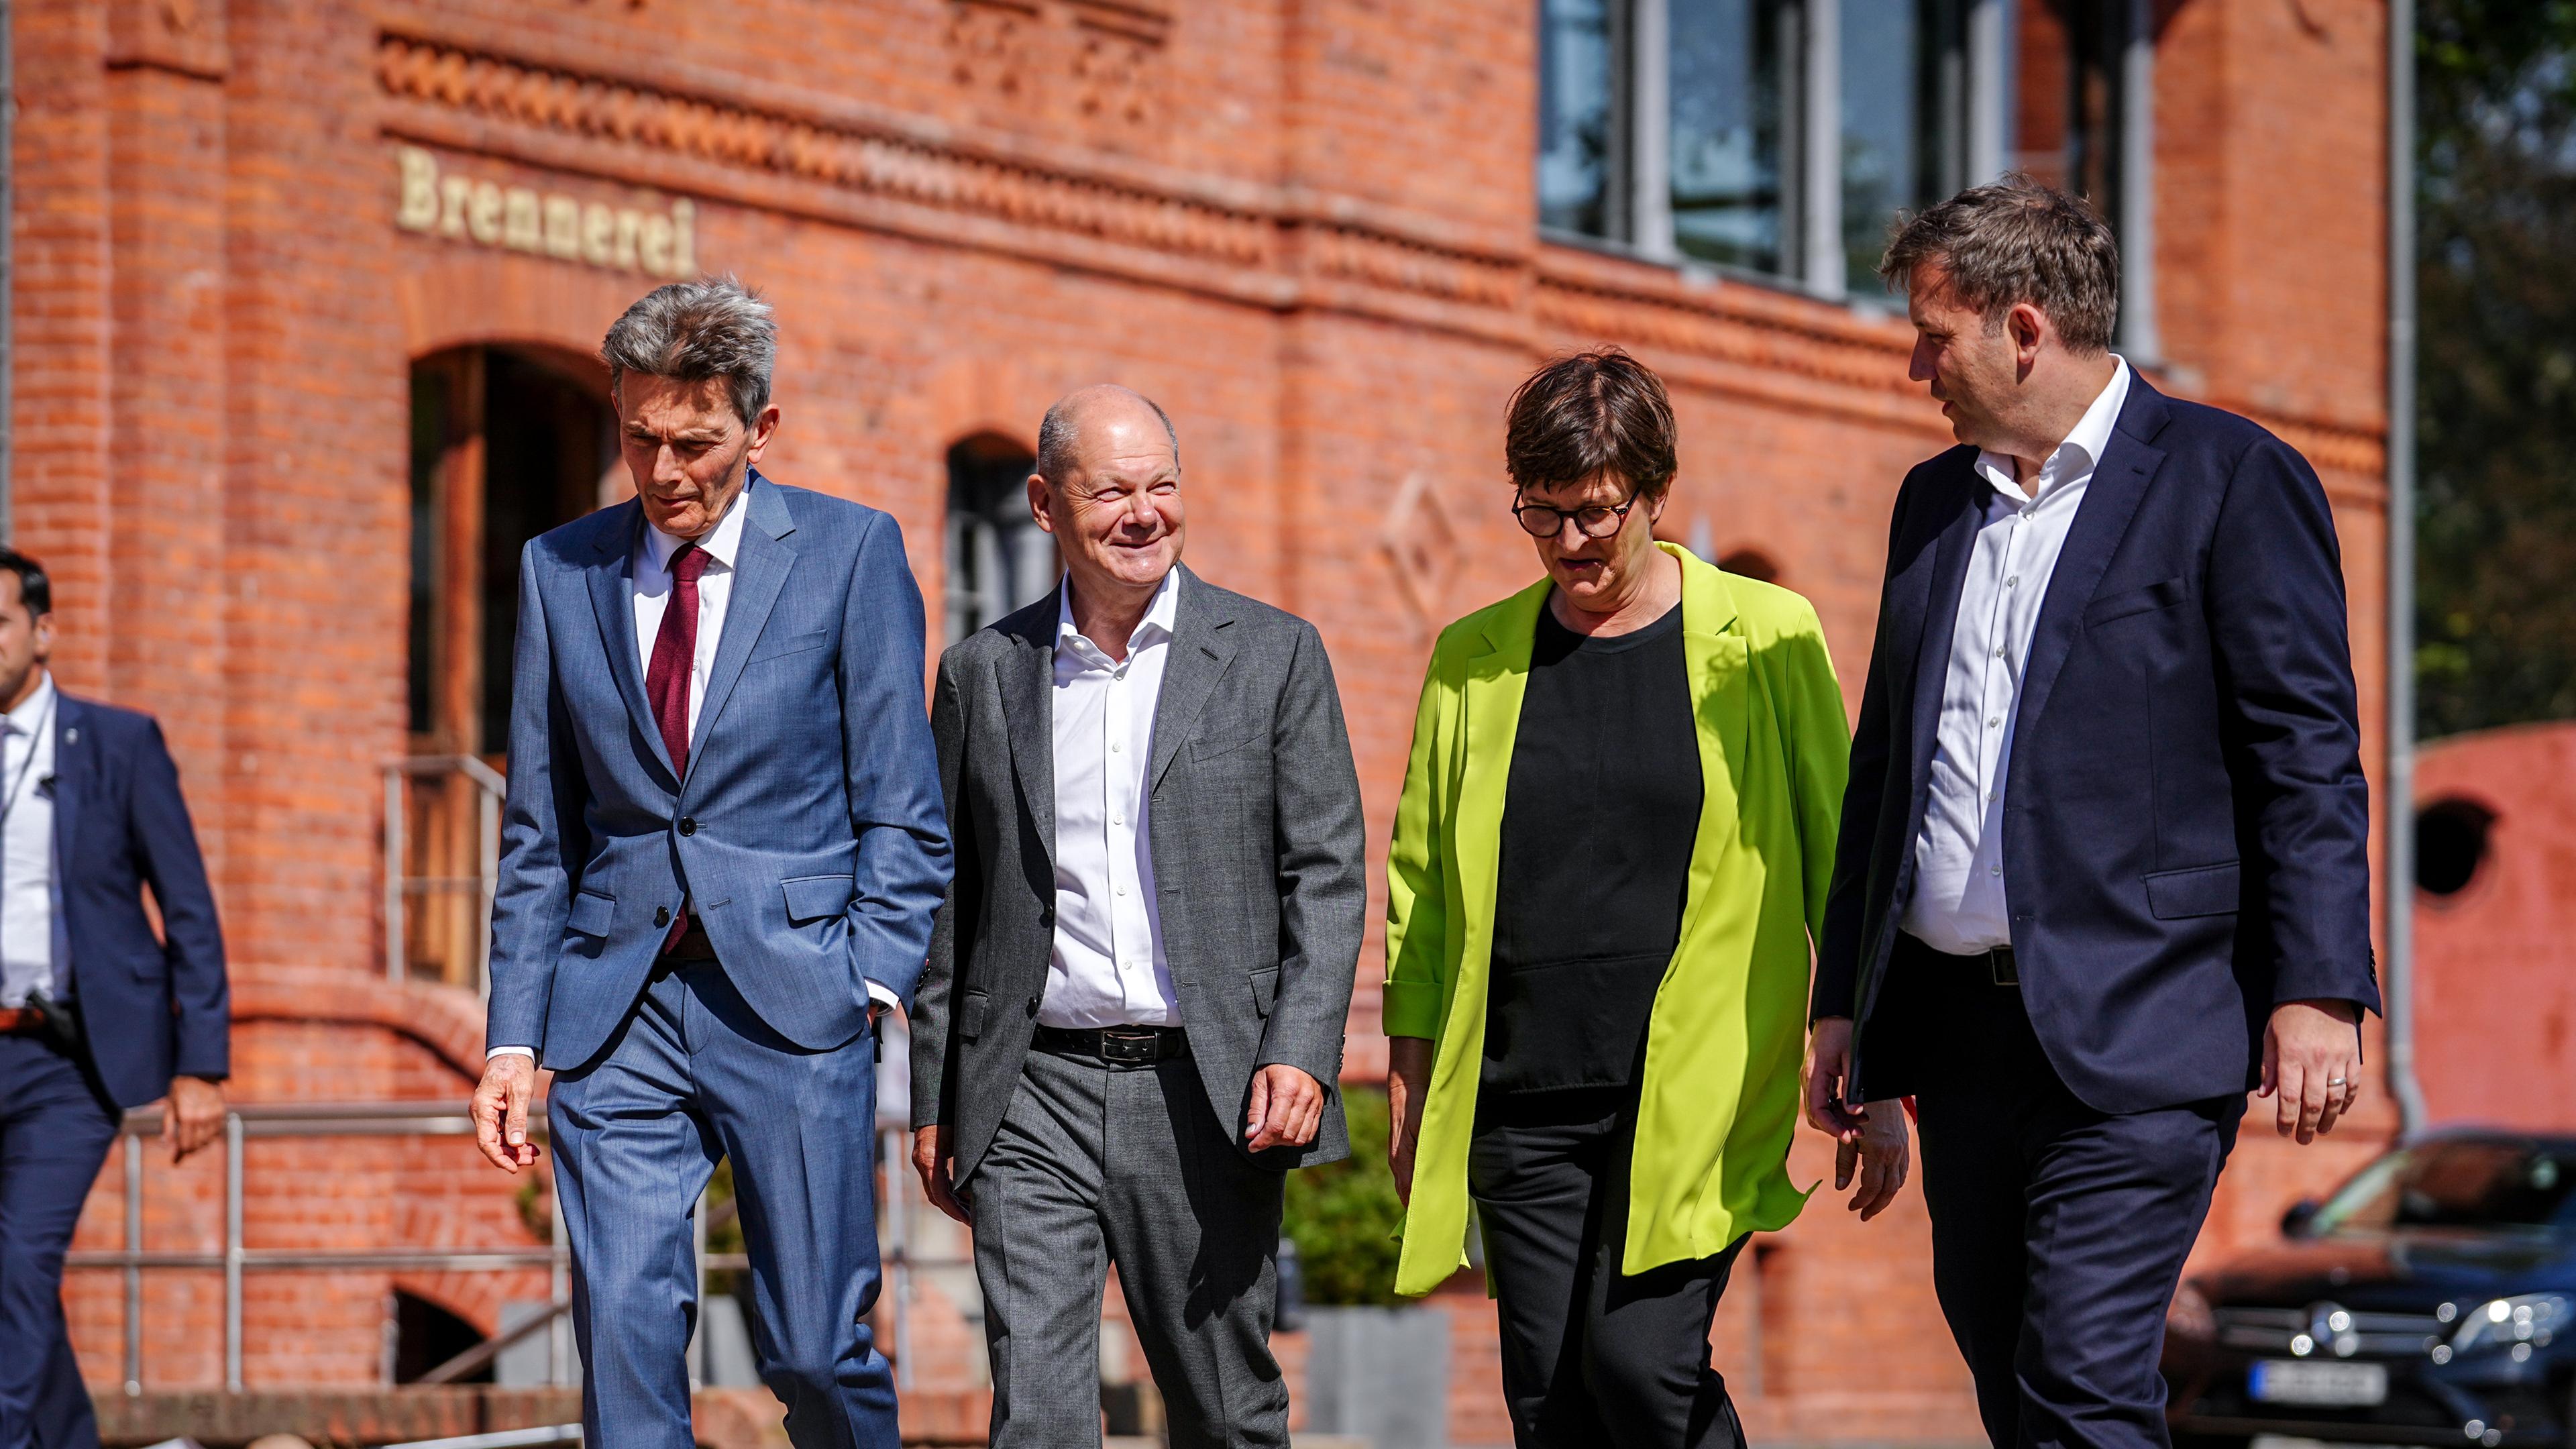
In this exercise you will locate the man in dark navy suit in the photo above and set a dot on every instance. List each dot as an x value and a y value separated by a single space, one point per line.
2103 860
97 1012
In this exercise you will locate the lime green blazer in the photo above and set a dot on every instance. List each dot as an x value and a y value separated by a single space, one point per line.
1727 1035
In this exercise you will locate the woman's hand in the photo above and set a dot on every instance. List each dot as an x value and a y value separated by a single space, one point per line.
1408 1086
1877 1151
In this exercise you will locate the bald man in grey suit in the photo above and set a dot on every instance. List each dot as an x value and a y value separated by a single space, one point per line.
1131 1022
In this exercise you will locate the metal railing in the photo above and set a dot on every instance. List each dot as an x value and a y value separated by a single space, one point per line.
465 869
431 1119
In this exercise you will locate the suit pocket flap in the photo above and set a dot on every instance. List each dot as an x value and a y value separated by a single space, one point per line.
789 644
591 913
2161 595
1265 989
815 897
2208 890
971 1010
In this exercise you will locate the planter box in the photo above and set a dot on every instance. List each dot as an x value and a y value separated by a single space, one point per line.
1379 1375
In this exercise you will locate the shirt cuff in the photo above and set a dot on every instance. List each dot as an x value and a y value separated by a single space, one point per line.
884 996
513 1051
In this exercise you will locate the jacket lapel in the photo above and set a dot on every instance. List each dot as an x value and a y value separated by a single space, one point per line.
1201 648
612 599
1497 682
1025 678
2120 480
1721 698
760 572
75 747
1938 619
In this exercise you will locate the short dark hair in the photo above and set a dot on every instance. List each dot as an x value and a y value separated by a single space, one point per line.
2013 241
33 586
1594 412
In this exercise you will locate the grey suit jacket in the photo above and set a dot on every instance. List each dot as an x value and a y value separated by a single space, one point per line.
1259 862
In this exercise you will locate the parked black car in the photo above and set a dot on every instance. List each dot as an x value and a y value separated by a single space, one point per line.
2430 1300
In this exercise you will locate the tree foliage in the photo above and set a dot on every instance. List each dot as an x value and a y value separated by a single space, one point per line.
2496 613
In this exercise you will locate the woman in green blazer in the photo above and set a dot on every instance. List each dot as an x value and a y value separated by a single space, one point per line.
1610 856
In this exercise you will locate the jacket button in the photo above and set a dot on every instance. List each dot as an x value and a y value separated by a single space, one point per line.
688 825
1033 1005
1046 917
661 915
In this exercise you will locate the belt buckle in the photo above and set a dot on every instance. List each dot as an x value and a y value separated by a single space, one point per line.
1999 962
1130 1047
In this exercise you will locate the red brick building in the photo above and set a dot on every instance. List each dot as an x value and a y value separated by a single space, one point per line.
306 292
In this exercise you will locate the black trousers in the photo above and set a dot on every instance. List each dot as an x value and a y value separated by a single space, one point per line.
56 1127
1591 1357
2058 1232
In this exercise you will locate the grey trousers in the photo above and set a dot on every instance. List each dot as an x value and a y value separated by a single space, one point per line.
1097 1165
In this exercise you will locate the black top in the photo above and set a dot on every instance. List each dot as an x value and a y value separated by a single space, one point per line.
1598 824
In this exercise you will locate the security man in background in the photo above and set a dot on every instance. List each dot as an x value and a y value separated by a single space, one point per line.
98 1013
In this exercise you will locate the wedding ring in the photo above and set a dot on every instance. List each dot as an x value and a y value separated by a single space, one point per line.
2334 1081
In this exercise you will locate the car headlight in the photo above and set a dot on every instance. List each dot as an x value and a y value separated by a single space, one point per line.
2533 1318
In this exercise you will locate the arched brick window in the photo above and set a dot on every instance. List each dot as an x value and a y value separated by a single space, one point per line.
997 557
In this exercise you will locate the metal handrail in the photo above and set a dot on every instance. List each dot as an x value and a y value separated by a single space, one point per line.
417 1119
491 791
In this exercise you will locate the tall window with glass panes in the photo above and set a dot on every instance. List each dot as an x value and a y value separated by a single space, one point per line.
1781 139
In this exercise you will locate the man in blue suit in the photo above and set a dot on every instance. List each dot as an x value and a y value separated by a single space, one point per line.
723 847
97 1012
2103 860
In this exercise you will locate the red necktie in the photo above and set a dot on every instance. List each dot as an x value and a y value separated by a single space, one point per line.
666 681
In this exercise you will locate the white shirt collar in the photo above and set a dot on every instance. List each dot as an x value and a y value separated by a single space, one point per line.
29 715
720 545
1159 615
2082 451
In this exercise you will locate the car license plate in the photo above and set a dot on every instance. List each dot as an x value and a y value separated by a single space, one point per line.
2321 1385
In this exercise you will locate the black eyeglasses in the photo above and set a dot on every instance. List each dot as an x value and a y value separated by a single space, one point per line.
1595 520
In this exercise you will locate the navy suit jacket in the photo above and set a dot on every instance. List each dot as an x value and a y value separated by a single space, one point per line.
809 834
2186 826
152 1006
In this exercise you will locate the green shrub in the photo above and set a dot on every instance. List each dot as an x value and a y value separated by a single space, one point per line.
1343 1216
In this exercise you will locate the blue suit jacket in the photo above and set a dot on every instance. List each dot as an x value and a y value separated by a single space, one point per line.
152 1006
809 835
2186 827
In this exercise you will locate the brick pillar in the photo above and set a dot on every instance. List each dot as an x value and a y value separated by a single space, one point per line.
167 380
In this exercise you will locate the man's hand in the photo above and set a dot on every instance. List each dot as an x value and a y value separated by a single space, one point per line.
501 1112
1828 1064
931 1159
2312 1065
1870 1141
1287 1107
193 1116
1880 1152
1408 1086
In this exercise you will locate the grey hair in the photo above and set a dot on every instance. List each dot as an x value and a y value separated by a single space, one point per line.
1057 434
714 327
2013 241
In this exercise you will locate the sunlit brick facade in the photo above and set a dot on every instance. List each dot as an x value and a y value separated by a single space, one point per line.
305 294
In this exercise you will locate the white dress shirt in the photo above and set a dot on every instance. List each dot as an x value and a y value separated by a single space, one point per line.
1958 904
652 595
653 584
27 848
1108 967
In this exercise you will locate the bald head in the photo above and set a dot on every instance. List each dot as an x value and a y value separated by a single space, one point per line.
1101 406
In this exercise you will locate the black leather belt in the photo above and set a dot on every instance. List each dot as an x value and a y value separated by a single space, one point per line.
1126 1046
1999 964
